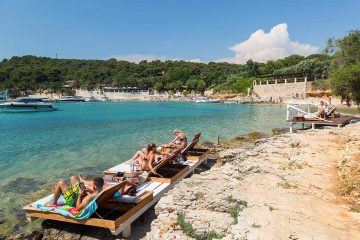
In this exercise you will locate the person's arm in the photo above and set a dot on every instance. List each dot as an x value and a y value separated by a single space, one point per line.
174 140
151 161
83 201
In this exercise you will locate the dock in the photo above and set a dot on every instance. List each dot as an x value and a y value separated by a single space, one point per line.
340 121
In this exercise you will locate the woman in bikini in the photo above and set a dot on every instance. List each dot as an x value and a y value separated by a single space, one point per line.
146 159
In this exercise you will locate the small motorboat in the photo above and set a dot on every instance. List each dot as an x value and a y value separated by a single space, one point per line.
27 104
207 100
231 102
4 96
71 99
201 100
214 100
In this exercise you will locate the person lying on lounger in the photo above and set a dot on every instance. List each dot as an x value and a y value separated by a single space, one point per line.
142 154
146 161
74 195
180 140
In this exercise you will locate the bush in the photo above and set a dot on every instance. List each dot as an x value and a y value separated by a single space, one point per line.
190 231
321 84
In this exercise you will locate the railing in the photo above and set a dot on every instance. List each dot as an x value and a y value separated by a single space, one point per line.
288 107
280 81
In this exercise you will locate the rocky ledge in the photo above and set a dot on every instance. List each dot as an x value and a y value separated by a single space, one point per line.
292 186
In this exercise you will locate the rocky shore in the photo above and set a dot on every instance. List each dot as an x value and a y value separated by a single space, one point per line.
291 186
304 185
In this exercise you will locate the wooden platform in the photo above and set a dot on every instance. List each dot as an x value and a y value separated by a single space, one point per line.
125 214
337 122
121 213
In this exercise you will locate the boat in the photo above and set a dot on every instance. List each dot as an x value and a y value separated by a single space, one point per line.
207 100
231 102
91 99
71 99
201 100
214 100
4 96
27 104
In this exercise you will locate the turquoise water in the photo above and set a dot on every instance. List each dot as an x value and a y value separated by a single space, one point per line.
39 148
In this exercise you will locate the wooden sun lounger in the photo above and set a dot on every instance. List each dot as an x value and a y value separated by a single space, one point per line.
114 213
129 213
126 210
331 113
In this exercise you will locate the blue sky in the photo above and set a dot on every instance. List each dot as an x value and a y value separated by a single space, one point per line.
173 29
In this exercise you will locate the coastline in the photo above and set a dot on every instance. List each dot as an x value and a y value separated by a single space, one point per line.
280 187
291 186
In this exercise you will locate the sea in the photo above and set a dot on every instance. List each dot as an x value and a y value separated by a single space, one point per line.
39 148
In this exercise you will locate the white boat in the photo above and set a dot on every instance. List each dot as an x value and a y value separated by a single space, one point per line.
231 102
4 96
71 99
27 104
201 100
214 100
207 100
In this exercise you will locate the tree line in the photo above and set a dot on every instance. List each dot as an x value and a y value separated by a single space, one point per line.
339 62
34 73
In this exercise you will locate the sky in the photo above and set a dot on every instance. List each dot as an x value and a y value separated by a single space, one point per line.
191 30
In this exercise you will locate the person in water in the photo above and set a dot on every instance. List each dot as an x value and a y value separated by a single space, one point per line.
180 140
74 195
146 158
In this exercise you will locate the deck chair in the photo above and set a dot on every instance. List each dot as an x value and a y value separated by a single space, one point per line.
89 210
318 116
197 136
331 113
192 144
167 159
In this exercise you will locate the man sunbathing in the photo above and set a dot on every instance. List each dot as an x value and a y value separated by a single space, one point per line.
74 195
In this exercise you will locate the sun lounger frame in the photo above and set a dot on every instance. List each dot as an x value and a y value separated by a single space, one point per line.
112 225
123 223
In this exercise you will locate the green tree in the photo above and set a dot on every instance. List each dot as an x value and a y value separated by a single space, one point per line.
346 83
345 68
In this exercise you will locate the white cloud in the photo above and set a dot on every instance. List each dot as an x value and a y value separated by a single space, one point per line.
196 60
262 46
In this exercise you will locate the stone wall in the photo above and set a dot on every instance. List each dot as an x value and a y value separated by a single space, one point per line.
284 90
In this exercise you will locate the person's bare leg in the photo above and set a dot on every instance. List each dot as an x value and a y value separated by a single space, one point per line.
60 187
138 154
142 163
74 180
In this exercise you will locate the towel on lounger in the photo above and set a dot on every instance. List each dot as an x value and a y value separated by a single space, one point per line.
65 210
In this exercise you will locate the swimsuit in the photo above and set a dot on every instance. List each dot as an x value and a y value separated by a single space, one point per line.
71 194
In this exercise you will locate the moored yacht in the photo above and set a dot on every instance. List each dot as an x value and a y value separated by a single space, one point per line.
71 99
27 104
